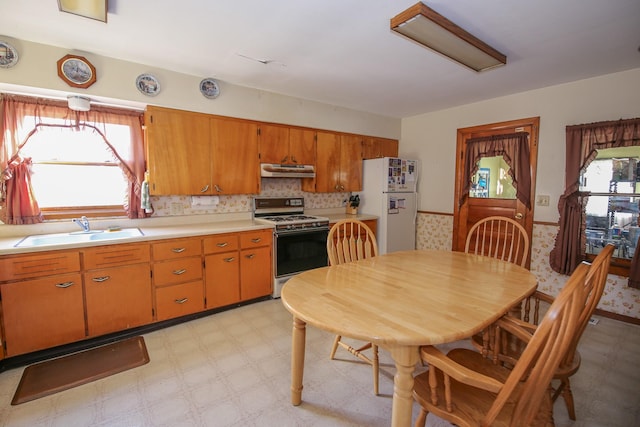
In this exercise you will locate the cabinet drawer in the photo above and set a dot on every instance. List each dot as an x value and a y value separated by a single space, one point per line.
256 238
179 300
177 271
179 248
115 255
22 267
220 243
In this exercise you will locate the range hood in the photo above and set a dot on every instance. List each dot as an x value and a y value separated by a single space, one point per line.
271 170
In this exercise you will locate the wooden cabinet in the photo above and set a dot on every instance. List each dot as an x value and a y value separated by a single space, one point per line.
178 151
238 267
338 164
118 289
45 308
235 166
256 276
222 270
58 297
177 277
284 145
374 147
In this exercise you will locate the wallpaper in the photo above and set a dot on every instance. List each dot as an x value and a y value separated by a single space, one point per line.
436 232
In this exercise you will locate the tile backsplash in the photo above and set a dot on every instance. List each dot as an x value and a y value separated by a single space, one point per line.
271 187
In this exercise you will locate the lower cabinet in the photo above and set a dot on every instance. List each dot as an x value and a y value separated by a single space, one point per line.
256 279
42 313
118 289
222 269
59 297
238 267
118 298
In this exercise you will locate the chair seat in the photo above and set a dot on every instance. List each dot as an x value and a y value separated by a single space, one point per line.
471 403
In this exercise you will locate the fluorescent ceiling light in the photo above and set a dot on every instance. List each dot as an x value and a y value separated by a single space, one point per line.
432 30
94 9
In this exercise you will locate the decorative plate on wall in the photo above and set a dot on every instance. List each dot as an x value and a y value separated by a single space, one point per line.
148 84
209 88
76 71
8 55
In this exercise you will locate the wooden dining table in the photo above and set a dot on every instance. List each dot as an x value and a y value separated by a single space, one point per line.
401 301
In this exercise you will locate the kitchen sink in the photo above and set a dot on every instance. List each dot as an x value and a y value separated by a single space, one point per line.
78 237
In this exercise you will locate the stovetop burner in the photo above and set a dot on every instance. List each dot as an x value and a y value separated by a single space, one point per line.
287 214
289 218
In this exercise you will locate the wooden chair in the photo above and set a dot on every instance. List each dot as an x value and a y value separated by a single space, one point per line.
499 237
351 240
508 350
468 389
502 238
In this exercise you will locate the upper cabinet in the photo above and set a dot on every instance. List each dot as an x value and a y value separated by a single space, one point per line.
192 153
288 146
199 154
178 151
235 165
338 164
374 147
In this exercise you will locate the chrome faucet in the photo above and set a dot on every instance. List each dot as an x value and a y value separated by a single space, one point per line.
82 222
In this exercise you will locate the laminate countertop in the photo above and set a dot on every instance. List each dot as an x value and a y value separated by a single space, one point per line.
155 230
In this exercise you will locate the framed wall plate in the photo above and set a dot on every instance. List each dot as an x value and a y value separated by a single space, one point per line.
8 55
76 71
148 84
209 88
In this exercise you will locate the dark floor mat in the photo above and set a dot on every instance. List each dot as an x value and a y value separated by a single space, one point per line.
52 376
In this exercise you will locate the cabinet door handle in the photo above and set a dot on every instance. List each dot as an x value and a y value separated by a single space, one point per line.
284 159
218 189
181 300
179 272
204 189
250 256
101 279
257 240
519 215
222 245
293 159
230 259
178 250
64 285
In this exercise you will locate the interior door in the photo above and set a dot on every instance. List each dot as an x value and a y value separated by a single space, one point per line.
480 203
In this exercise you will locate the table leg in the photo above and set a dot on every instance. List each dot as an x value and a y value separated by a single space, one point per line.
405 359
298 340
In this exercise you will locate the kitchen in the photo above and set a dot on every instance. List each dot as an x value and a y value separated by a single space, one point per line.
421 136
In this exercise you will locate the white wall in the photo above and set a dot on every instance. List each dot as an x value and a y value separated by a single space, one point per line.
432 137
36 72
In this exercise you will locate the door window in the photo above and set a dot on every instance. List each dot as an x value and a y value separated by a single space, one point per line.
492 180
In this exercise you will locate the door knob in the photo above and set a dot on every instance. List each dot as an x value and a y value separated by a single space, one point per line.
519 215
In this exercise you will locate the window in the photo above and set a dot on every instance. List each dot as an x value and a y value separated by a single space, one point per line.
612 209
74 172
81 163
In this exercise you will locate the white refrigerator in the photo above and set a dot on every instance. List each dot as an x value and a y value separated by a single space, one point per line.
389 192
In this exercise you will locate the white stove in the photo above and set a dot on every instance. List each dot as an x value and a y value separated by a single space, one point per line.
300 240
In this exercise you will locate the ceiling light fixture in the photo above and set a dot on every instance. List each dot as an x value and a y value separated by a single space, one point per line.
94 9
79 103
432 30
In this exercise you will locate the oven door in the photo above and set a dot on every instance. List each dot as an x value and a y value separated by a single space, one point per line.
300 251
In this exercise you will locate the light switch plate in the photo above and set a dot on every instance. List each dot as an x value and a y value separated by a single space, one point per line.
542 200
